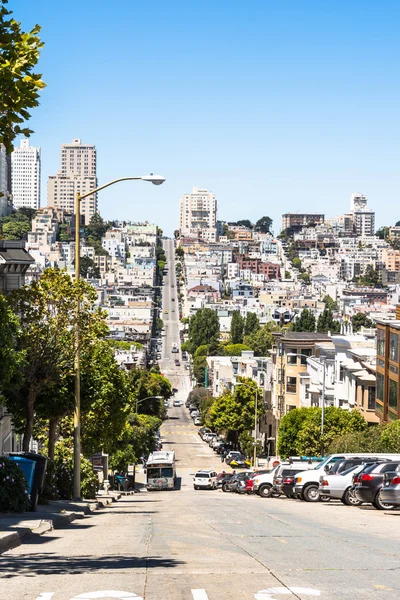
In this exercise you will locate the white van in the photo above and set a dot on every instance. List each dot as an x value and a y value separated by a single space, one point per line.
306 485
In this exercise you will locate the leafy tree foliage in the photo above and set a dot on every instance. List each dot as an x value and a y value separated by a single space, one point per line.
141 385
19 85
179 252
10 358
296 263
237 325
203 329
235 349
263 225
88 268
326 322
330 302
17 225
245 223
361 320
305 277
251 324
96 228
389 440
46 313
305 322
371 277
382 232
300 429
261 341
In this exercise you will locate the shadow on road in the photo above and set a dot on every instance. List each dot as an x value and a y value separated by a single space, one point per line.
49 564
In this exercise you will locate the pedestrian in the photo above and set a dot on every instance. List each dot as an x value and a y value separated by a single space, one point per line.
222 457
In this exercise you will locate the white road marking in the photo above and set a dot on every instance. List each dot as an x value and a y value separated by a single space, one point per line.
45 596
269 593
199 595
106 594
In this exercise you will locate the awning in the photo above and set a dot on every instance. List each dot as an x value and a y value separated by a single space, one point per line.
314 389
365 376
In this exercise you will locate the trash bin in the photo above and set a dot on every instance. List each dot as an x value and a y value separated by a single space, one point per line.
27 466
40 463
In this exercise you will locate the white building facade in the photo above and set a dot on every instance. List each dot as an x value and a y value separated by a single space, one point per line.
198 211
25 176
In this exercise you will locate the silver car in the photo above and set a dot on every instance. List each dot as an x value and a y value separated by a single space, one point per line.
390 490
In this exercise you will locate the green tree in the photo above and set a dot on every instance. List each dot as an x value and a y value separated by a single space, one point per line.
235 349
390 438
367 440
88 268
382 232
296 263
15 230
10 358
287 275
251 324
289 429
203 328
96 228
245 223
46 313
306 278
371 277
361 320
237 325
263 225
64 233
326 322
177 234
179 252
330 303
19 84
143 384
262 340
199 367
305 322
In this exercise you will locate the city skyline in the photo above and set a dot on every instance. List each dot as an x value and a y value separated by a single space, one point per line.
273 114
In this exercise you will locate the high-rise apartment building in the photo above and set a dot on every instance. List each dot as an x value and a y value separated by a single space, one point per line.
77 174
299 220
198 211
25 176
5 199
363 217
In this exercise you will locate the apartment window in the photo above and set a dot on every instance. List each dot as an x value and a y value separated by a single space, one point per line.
292 356
307 352
394 347
380 346
393 394
371 397
379 386
290 407
291 385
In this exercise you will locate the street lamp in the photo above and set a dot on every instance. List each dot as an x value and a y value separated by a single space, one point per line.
148 398
255 423
155 180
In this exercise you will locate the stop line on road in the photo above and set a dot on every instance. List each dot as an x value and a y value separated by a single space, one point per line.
198 594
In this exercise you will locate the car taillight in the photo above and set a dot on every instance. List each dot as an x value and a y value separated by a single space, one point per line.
324 482
288 480
366 477
396 480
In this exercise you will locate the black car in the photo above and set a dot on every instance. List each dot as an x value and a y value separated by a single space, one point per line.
224 448
368 484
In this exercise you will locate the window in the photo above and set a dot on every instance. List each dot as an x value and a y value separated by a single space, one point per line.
380 348
394 347
371 397
307 352
291 385
291 359
393 394
379 386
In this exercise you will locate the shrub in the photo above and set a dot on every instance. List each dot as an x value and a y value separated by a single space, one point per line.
13 487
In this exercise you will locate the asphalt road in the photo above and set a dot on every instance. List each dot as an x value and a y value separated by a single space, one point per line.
205 545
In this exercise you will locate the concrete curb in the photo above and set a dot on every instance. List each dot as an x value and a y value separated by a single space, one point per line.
13 539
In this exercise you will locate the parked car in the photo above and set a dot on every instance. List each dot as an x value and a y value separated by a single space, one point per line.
285 470
286 487
233 484
177 362
215 442
231 454
194 414
176 403
340 487
239 462
368 484
390 493
224 477
263 483
209 436
198 421
158 356
227 447
203 430
205 479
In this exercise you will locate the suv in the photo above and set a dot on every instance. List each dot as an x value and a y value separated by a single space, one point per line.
265 485
205 479
306 485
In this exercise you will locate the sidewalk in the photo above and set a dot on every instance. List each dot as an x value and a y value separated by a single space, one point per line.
58 514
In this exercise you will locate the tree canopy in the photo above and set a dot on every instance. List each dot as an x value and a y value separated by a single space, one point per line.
19 84
251 324
203 329
261 340
360 320
263 225
305 322
326 322
237 325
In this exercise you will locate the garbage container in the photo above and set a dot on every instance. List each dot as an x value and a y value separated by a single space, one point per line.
27 466
39 475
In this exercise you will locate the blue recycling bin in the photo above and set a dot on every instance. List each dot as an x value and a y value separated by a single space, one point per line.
27 466
39 474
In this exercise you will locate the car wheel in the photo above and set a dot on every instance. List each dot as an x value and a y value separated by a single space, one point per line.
225 488
195 487
379 505
275 495
350 499
311 494
265 491
325 498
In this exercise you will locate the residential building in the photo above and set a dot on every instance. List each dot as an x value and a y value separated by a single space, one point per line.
198 211
77 175
299 220
5 199
25 176
387 370
363 217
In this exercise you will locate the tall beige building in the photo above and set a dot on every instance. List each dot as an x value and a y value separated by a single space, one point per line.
77 174
198 211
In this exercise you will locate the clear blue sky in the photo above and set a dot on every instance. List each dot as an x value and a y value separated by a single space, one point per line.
274 105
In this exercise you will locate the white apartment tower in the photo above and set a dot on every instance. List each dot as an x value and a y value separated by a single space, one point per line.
77 174
198 211
363 217
25 176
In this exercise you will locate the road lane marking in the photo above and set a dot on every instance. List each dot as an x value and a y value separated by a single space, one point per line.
269 593
199 594
45 596
118 595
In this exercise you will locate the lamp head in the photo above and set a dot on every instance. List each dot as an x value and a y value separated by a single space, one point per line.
155 179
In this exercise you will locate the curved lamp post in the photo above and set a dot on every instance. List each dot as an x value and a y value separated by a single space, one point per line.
155 180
